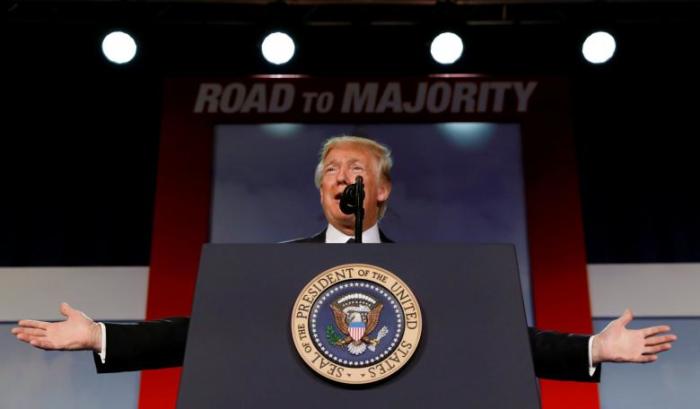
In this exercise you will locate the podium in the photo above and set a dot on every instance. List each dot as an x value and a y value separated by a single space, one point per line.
474 350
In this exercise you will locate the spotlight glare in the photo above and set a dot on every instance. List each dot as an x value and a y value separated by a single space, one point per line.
119 47
278 48
599 47
446 48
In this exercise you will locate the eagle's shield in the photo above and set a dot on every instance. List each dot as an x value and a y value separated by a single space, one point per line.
357 330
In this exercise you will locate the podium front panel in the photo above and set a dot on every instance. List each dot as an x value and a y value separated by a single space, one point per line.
474 350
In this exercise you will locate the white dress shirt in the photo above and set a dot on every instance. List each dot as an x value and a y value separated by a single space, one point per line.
370 235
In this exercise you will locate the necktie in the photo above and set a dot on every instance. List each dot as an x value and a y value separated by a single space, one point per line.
350 240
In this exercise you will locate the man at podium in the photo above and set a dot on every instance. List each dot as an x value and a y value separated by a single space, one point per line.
159 344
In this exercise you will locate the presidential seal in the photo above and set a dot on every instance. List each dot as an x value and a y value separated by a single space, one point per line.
356 323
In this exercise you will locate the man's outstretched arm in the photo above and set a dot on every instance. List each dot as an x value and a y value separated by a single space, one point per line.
570 357
146 345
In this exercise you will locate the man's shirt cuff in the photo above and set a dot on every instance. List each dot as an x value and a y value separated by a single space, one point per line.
103 350
591 367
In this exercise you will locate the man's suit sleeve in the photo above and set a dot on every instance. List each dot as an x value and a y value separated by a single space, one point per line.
145 345
561 356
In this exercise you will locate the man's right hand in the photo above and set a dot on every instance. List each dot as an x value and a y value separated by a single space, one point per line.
77 332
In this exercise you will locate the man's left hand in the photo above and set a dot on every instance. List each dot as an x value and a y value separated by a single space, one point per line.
616 343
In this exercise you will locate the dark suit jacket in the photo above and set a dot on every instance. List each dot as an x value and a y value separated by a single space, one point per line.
161 344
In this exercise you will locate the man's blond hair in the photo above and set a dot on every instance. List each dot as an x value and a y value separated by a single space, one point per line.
381 152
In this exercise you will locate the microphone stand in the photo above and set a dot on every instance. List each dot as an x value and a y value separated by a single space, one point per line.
351 203
359 209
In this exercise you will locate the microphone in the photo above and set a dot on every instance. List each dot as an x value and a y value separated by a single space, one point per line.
350 198
351 201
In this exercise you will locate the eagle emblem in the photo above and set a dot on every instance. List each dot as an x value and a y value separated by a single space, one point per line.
356 317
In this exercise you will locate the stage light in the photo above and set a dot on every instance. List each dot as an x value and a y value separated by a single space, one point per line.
446 48
599 47
119 47
278 48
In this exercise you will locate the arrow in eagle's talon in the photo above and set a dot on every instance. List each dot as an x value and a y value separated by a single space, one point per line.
374 342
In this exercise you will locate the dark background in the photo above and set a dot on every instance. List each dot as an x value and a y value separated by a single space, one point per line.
81 134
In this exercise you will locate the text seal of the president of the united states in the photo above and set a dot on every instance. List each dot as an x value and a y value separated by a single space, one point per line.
356 323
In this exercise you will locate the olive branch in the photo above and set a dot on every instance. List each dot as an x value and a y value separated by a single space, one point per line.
332 336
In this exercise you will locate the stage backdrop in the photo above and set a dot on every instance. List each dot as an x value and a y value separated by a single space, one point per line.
478 159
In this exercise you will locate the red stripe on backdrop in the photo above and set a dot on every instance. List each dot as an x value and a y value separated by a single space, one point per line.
556 246
181 226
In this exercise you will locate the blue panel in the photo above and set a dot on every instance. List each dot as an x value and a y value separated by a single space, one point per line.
31 378
452 183
672 382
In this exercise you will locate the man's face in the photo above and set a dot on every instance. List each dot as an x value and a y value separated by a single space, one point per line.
341 166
